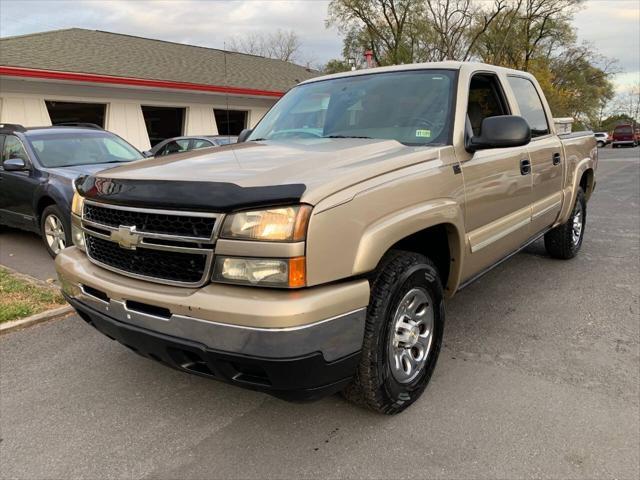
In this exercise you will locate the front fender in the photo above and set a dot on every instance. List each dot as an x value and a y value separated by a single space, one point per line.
380 236
61 193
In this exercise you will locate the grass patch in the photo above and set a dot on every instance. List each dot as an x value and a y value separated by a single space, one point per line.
20 298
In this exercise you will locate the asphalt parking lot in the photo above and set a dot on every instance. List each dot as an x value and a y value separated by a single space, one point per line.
539 377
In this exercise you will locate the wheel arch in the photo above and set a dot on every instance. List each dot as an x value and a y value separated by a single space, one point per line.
587 182
434 229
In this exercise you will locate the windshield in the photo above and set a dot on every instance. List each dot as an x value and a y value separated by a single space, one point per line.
624 129
68 149
412 107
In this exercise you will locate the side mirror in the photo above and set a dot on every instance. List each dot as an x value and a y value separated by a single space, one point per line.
147 153
501 132
14 165
244 134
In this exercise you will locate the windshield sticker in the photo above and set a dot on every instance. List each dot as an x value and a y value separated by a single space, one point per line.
423 133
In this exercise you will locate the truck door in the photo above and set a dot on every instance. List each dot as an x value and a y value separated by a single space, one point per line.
497 184
545 153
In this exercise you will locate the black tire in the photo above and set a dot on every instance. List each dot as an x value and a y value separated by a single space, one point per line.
374 384
560 242
600 144
54 211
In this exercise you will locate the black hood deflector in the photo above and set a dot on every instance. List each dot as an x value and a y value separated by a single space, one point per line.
185 195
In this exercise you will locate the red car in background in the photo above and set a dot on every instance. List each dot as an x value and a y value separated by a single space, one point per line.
625 135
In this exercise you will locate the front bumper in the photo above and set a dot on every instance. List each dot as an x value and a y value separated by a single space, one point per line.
302 378
294 344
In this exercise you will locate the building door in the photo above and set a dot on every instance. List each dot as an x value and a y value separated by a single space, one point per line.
230 122
163 122
76 112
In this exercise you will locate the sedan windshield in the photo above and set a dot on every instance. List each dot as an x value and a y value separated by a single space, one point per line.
68 149
412 107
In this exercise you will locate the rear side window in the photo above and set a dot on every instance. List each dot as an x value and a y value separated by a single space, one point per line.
201 144
530 105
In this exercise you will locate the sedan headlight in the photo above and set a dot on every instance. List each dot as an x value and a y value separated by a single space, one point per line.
278 224
77 204
265 272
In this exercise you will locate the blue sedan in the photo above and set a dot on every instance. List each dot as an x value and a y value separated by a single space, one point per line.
37 168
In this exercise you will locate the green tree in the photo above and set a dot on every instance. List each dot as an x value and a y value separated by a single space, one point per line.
336 66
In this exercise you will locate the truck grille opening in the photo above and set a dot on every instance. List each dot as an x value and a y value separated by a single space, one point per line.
152 222
159 264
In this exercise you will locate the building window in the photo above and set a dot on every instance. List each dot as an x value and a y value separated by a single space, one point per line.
163 122
230 122
76 112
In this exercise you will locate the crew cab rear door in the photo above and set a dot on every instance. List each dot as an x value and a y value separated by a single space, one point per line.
545 152
497 182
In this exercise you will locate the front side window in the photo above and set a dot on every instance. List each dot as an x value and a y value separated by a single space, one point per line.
13 148
412 107
530 105
67 149
485 100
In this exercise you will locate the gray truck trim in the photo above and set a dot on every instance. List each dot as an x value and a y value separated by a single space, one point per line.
334 337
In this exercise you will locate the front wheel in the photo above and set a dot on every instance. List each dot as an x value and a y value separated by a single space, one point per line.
403 334
600 144
565 240
55 233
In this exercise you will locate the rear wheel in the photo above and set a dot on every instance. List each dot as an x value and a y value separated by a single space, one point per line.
600 144
403 334
565 240
55 233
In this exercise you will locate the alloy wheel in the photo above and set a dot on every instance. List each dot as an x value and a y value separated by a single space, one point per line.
54 233
412 335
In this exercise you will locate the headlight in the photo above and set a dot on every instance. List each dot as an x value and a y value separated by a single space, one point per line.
267 272
280 224
77 235
77 204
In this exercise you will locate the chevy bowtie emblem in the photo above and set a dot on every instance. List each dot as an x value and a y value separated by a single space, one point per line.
126 237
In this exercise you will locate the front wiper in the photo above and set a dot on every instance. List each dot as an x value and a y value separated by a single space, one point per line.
345 136
257 140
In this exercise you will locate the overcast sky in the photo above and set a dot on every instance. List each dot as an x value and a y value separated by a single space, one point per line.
613 26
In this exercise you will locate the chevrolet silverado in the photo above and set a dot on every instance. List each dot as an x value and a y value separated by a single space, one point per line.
316 255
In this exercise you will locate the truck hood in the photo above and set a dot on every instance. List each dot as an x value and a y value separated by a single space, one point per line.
317 167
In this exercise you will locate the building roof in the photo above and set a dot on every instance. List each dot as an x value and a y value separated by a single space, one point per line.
80 51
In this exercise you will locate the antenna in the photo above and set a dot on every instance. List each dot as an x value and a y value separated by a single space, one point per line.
226 90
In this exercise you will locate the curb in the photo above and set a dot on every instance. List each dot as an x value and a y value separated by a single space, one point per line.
53 314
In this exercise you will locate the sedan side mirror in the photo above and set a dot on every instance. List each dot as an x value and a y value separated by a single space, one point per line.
14 165
501 132
147 154
244 134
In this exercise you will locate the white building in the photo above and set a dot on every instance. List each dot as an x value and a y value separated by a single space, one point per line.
142 89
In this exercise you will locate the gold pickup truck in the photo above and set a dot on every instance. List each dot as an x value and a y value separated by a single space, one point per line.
316 255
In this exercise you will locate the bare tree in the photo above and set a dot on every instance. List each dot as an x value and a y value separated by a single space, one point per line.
281 45
458 25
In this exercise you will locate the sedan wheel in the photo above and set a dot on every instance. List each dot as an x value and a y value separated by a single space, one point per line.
54 233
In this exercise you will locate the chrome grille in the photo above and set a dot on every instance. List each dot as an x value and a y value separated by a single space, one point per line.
152 222
164 246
